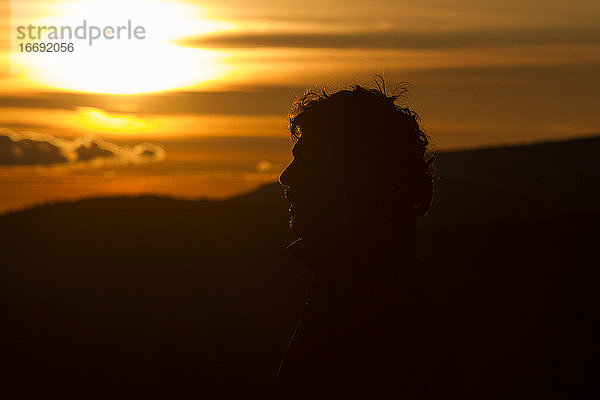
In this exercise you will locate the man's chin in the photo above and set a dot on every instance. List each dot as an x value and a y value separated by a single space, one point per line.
307 226
295 227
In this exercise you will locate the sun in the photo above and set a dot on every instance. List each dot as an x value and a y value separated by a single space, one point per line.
126 64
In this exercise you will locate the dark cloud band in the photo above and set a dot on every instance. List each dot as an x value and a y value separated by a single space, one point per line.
399 39
36 149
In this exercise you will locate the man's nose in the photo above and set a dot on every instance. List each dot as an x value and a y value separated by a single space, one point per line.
286 176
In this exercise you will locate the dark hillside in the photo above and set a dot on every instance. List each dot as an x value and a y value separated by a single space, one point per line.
155 298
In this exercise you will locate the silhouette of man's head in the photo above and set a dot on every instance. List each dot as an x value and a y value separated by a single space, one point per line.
360 168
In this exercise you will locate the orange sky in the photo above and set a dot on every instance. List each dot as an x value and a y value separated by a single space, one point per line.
479 72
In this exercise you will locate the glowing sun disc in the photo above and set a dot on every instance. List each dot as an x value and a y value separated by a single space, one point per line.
124 66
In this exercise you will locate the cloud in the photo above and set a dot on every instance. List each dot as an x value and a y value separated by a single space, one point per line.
263 100
86 153
30 148
29 152
401 39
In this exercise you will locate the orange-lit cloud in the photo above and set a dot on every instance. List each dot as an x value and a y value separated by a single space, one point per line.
30 148
81 122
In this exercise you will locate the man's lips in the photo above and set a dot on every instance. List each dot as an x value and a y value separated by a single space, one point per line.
290 198
288 194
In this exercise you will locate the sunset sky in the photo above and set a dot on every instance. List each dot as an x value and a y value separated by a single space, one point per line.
198 107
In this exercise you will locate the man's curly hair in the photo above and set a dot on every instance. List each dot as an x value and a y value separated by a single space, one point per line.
377 144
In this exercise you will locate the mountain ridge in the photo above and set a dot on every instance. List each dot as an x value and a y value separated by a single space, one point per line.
152 298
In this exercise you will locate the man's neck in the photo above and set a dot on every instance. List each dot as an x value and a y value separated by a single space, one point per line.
353 257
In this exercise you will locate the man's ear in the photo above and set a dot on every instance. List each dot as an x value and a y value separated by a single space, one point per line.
353 206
